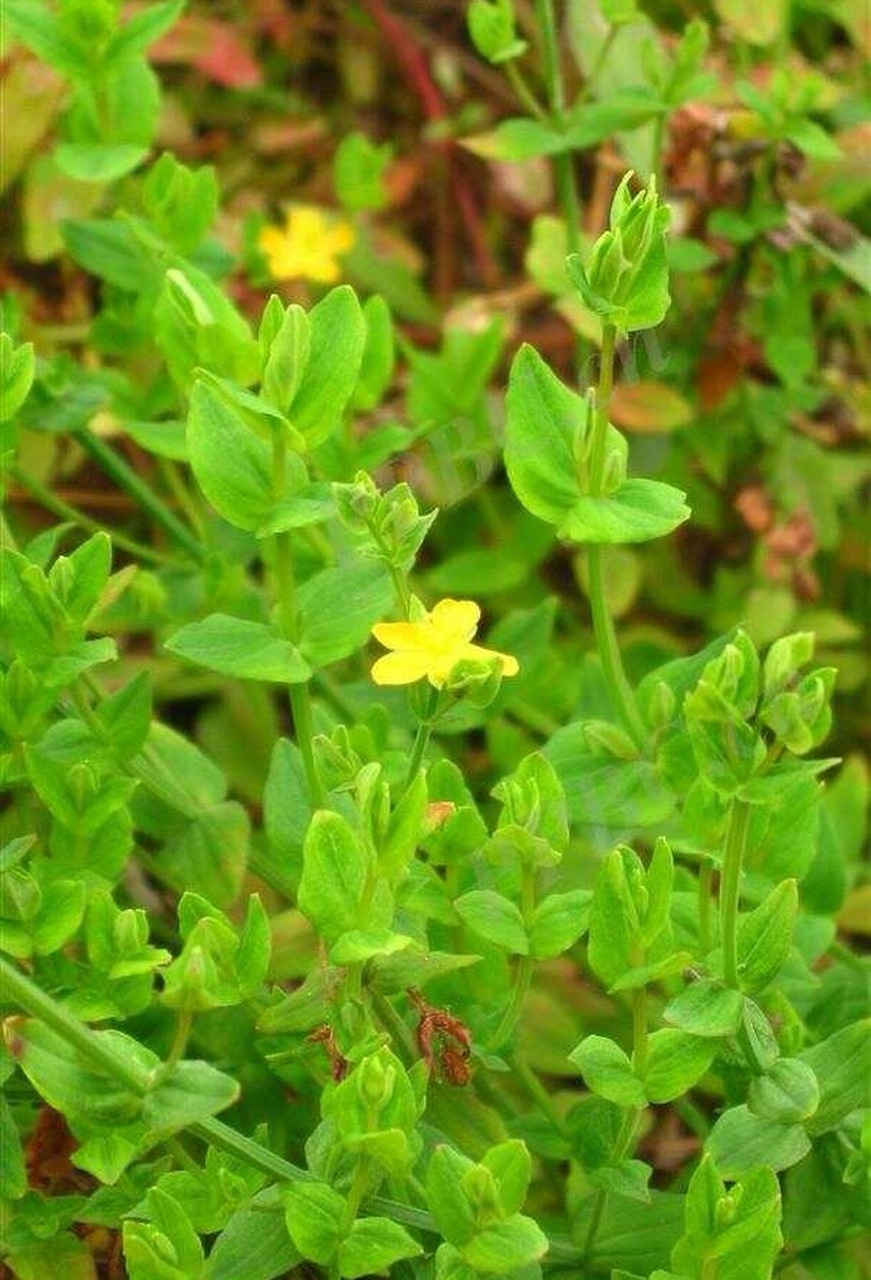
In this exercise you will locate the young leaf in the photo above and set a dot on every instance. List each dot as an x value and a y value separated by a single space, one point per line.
608 1071
238 647
313 1212
495 918
675 1062
333 875
373 1245
706 1009
765 937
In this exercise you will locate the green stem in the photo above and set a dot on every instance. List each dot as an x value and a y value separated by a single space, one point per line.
183 1025
706 902
511 1016
65 511
563 165
421 738
172 474
730 888
522 973
603 624
123 474
639 1030
656 155
626 1137
524 93
285 588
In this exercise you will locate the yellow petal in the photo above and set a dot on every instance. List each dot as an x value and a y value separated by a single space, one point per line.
342 237
477 653
400 635
456 618
322 269
400 668
271 239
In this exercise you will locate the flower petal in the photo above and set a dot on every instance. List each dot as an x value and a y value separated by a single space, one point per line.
456 619
400 635
477 653
400 668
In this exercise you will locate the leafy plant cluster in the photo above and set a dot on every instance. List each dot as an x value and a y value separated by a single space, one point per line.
489 968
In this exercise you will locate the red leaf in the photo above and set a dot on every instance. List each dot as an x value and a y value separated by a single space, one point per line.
212 47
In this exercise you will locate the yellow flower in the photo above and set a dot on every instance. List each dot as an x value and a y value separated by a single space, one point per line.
433 646
308 246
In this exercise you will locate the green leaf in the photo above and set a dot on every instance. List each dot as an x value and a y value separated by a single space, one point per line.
495 918
17 368
255 1244
511 1166
233 466
98 162
558 921
109 250
338 608
314 1212
334 872
542 415
13 1173
191 1092
706 1009
638 511
210 851
445 1197
788 1092
105 1155
842 1066
39 29
143 29
64 1257
168 1232
625 1178
608 1071
373 1245
360 945
765 937
505 1246
740 1141
675 1062
336 340
736 1231
237 647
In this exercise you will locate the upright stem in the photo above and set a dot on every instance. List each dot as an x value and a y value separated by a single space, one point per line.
603 624
522 973
625 1141
564 172
730 888
299 695
706 880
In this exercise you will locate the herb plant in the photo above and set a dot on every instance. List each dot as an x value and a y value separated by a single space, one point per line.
296 865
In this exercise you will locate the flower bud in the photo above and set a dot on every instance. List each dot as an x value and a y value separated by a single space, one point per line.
625 280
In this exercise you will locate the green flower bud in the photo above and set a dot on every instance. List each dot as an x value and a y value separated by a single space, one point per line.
482 1193
492 30
625 280
784 659
375 1083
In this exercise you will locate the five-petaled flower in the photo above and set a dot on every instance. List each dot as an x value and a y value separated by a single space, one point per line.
308 246
434 645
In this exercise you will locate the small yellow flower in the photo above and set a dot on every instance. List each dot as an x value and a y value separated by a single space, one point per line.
433 646
308 246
